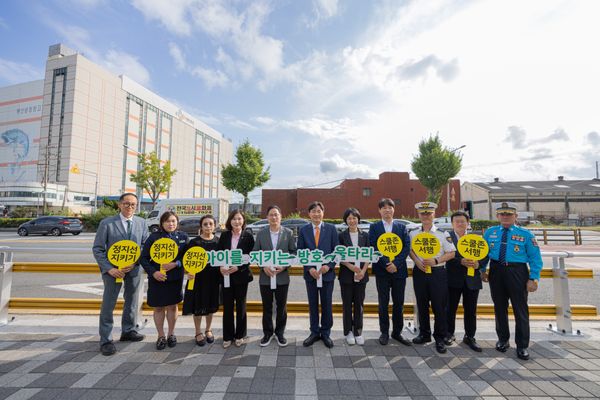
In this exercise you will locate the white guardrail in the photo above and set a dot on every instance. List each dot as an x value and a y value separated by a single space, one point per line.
562 300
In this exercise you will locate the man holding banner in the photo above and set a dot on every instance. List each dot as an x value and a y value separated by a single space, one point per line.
430 249
122 227
390 271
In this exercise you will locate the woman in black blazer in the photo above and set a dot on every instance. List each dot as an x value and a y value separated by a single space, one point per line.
235 237
353 279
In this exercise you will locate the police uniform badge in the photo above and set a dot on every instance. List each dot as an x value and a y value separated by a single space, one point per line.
517 248
449 239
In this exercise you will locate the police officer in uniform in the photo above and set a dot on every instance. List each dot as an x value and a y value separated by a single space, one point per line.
511 249
431 287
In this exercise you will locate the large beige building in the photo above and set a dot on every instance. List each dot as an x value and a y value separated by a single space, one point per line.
85 116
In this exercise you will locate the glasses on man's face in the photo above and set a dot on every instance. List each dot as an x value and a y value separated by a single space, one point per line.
130 205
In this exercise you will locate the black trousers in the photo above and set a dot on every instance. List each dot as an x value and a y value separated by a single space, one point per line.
509 282
280 294
385 284
353 300
432 288
235 297
470 309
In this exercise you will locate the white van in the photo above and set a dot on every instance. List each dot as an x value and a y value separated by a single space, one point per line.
187 208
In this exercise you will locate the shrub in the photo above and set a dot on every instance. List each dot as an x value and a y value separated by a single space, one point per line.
91 221
12 222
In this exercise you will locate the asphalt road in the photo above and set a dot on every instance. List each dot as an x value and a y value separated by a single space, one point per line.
90 285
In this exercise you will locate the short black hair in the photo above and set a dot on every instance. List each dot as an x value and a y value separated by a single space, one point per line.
121 197
459 213
166 215
274 206
386 201
315 204
207 216
230 217
351 211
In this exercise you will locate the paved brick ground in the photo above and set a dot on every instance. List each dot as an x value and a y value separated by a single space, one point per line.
68 366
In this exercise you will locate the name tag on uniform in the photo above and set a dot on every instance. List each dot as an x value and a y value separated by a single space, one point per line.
518 238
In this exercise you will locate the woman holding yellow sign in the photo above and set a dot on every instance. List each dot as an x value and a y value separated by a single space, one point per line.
161 259
464 278
430 249
203 298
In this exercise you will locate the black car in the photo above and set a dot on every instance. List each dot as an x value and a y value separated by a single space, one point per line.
191 226
294 224
53 225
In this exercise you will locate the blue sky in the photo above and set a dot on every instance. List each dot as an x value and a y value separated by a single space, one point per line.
330 89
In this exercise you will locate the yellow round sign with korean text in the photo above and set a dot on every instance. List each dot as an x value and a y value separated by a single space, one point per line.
472 247
123 253
194 261
426 245
390 245
163 251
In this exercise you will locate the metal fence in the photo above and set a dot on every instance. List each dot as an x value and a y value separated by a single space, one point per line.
559 274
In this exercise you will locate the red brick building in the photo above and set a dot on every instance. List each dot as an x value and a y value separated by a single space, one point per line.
363 194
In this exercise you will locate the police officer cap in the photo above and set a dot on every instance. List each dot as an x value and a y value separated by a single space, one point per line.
425 206
506 207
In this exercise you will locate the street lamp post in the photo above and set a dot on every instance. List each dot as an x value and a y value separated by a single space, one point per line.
448 184
76 170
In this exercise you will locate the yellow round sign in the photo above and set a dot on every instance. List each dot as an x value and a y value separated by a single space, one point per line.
163 251
123 253
473 247
426 245
390 245
195 260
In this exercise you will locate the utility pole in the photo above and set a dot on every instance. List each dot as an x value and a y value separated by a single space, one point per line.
597 175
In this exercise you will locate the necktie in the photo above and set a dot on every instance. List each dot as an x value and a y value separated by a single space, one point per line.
317 234
128 229
502 258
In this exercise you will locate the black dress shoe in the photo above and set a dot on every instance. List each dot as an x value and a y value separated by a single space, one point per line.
401 339
522 353
449 339
384 339
472 343
440 347
327 341
131 336
108 349
421 339
309 341
502 346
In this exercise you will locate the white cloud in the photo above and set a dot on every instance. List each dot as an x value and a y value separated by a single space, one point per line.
171 14
14 72
326 8
210 77
88 4
337 165
3 24
177 56
124 63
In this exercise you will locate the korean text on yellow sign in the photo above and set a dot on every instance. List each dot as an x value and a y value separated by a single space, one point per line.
123 254
194 261
390 245
163 251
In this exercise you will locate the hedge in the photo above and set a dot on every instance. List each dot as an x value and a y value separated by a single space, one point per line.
12 222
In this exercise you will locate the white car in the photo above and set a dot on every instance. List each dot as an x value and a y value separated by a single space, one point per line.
255 227
408 224
363 226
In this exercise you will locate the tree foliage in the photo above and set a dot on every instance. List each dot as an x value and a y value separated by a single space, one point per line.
435 166
248 173
152 177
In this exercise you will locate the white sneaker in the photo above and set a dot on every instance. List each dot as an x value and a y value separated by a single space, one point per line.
360 340
350 339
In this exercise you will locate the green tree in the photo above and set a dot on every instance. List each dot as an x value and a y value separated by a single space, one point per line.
152 177
435 166
248 173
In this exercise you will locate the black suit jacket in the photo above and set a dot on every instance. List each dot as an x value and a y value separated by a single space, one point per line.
457 273
246 244
345 275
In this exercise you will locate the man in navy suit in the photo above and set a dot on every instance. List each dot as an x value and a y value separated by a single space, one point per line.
390 276
322 236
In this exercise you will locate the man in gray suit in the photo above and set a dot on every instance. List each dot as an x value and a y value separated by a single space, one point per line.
274 237
124 226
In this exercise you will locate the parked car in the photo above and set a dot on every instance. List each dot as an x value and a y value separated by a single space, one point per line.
257 226
294 224
363 226
408 224
191 226
52 225
443 223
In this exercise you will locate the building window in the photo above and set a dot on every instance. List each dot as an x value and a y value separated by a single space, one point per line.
366 192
